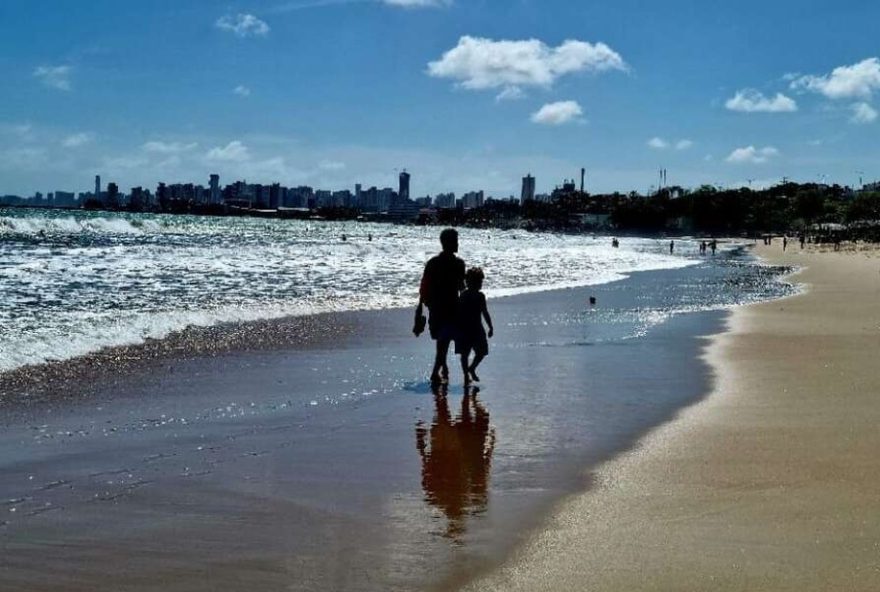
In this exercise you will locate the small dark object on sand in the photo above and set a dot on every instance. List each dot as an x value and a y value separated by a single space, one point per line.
592 301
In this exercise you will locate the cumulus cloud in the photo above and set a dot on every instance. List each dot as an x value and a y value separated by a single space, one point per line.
243 25
558 113
660 144
752 155
510 93
331 165
242 91
168 147
750 100
77 140
479 64
234 151
57 77
863 113
858 81
684 144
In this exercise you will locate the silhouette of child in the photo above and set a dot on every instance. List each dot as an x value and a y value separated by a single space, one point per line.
471 335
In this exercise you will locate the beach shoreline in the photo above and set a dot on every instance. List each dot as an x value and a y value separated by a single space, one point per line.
769 483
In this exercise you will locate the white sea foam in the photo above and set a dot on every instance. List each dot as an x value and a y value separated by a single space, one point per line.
73 284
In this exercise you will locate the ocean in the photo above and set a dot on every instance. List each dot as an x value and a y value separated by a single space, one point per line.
75 282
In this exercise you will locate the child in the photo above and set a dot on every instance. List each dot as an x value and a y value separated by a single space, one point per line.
471 335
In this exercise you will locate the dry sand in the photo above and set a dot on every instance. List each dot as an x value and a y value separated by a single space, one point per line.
770 483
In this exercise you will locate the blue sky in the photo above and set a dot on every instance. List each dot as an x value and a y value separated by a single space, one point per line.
465 94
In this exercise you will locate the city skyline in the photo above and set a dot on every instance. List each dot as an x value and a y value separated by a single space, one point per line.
332 94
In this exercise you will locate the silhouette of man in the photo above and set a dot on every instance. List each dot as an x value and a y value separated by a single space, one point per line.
456 454
441 284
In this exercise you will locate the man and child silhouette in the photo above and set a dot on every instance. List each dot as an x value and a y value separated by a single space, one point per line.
456 308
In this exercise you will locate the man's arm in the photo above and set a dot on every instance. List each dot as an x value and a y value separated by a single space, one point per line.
425 285
487 317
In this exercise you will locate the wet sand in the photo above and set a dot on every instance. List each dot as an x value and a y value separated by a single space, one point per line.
771 483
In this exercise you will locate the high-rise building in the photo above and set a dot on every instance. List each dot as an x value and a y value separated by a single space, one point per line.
112 196
98 187
215 189
403 191
473 199
528 189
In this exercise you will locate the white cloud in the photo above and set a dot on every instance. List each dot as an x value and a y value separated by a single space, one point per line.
863 113
242 91
417 3
234 151
57 77
558 113
660 144
750 100
752 155
844 82
243 25
510 93
480 64
331 165
168 147
77 140
683 144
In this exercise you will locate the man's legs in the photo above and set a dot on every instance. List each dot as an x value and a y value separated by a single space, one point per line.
440 360
478 357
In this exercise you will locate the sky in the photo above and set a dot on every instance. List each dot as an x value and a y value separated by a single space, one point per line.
464 94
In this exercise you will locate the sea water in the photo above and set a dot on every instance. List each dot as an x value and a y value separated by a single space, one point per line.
74 282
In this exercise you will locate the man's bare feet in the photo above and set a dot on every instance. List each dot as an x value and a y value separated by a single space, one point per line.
474 376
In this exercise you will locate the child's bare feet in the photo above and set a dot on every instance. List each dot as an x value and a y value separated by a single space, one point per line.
474 376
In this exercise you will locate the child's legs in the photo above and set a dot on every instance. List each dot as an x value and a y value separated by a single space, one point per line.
478 357
464 364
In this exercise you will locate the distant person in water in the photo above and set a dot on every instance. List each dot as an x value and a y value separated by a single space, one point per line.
784 243
671 247
471 336
441 284
713 245
614 243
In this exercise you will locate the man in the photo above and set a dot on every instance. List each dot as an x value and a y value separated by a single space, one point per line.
442 282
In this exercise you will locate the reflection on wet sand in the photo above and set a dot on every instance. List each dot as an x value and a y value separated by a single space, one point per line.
456 457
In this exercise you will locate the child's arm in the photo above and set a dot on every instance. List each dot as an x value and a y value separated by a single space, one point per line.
487 317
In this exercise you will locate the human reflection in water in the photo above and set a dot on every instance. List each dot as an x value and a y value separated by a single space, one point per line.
456 457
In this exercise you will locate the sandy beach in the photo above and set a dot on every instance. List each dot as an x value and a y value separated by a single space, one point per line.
770 483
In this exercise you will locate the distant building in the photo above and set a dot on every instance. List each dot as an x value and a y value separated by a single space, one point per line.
215 189
65 199
528 189
112 200
276 196
444 201
473 199
403 191
97 186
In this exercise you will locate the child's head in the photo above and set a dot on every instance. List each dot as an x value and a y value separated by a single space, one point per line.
474 278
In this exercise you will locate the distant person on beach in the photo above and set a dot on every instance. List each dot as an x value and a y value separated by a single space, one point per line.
713 245
703 248
803 239
614 243
671 247
441 284
784 243
471 336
